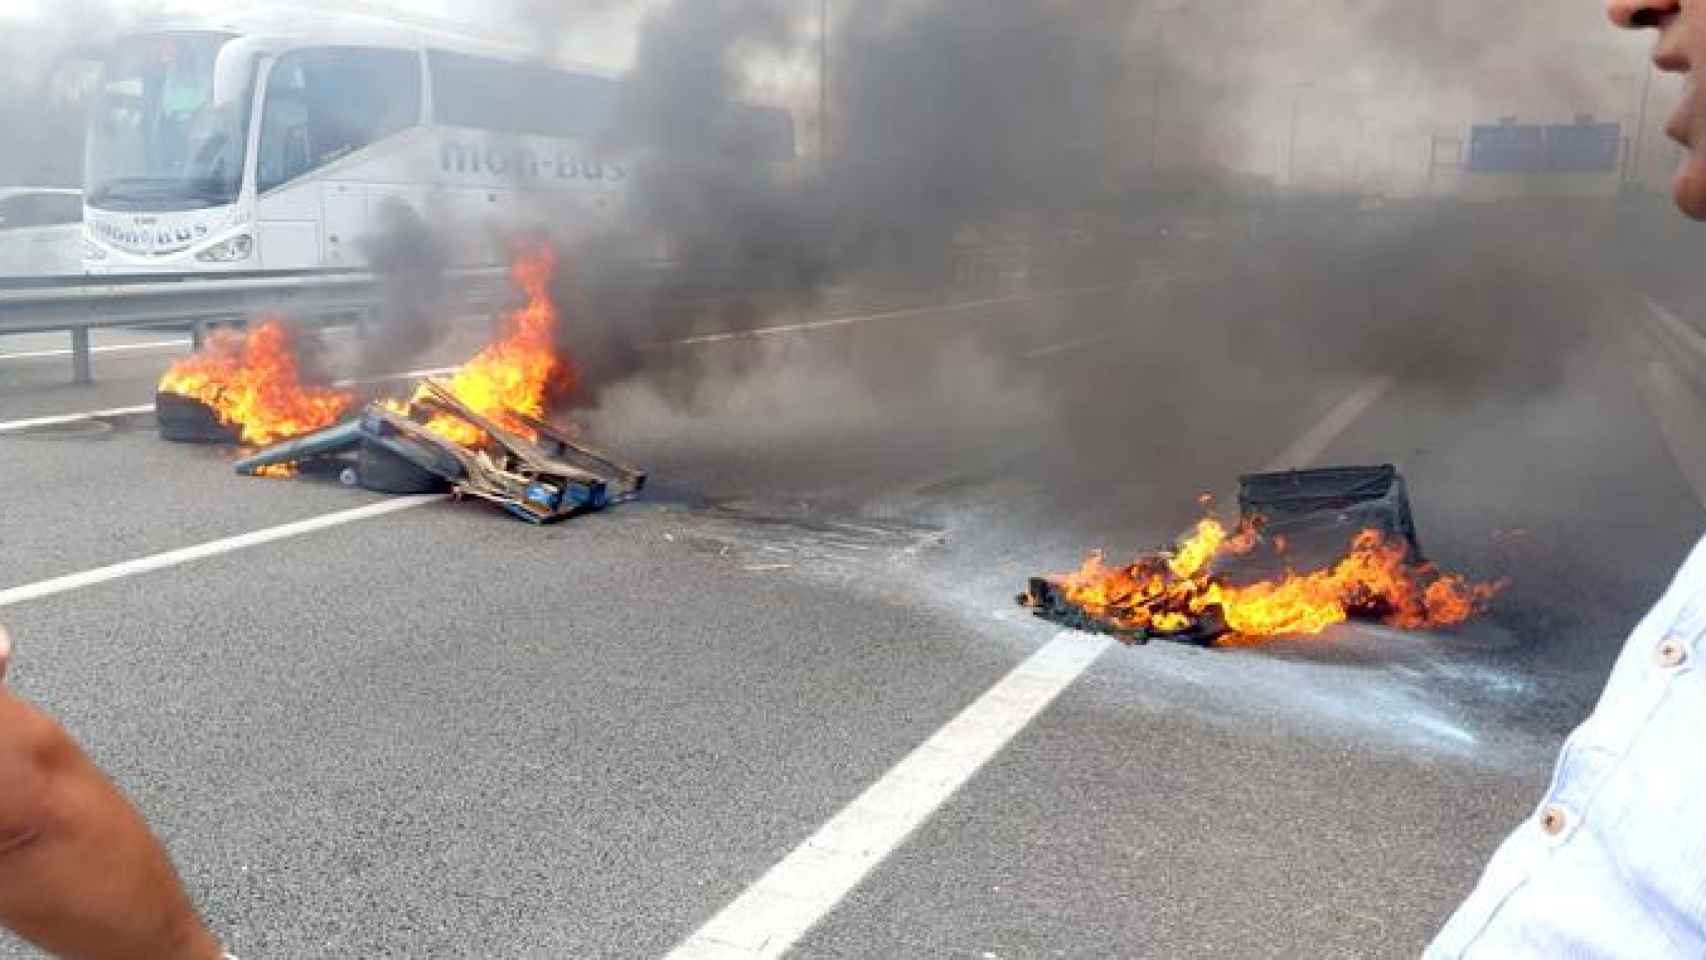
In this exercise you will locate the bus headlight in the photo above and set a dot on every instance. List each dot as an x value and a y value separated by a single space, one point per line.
230 250
92 251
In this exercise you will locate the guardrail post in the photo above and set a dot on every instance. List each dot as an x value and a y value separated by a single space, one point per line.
198 334
81 371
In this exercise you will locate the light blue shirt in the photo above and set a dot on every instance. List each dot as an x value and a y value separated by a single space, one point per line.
1613 861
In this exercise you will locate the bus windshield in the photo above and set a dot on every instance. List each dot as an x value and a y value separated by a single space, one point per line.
158 140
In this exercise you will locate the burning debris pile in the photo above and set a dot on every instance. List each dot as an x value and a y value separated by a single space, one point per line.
481 433
1312 549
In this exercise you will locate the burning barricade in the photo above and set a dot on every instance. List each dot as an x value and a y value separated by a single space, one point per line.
245 387
1312 549
482 433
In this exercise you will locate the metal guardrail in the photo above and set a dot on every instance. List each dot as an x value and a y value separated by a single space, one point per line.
82 303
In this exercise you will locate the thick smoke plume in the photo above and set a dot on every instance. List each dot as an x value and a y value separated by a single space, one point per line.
410 258
945 119
1075 131
955 125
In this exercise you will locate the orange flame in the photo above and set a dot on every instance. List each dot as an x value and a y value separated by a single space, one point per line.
522 371
1172 592
253 382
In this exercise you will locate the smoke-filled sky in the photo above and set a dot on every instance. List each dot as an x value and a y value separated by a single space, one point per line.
1370 80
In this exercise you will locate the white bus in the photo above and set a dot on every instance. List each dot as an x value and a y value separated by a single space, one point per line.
269 142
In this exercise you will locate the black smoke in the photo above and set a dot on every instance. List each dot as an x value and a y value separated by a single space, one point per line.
944 118
411 260
954 126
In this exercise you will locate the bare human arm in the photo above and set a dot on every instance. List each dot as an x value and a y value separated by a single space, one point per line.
81 874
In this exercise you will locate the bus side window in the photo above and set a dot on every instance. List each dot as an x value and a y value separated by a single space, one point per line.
519 98
325 103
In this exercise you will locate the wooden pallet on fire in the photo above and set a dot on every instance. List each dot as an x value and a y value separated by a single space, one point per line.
550 477
529 479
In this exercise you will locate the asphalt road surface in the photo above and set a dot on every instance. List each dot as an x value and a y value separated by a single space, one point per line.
786 698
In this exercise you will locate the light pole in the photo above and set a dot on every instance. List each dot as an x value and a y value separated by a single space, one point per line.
1357 155
823 83
1160 82
1291 151
1641 129
1161 14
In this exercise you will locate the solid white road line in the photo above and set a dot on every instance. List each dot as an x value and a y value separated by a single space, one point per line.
405 375
174 558
13 426
773 914
1675 406
893 315
1685 334
1068 346
1677 409
114 348
10 427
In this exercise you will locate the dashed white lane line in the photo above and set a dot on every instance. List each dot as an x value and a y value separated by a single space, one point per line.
214 548
111 348
772 915
1315 441
15 426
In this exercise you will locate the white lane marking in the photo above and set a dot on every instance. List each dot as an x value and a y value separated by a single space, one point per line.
13 426
688 342
772 915
1675 406
114 348
214 548
1315 441
895 315
405 375
1677 410
1684 333
1069 346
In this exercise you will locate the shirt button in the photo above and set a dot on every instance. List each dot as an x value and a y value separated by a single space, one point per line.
1553 821
1672 653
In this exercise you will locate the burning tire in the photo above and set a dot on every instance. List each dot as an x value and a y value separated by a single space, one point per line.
187 420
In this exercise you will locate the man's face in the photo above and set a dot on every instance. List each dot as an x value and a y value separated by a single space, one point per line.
1681 48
